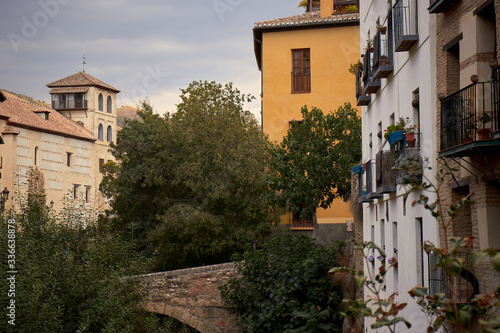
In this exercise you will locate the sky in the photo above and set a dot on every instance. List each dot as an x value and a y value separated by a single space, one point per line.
148 48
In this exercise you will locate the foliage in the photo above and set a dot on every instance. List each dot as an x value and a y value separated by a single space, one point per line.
312 165
190 186
29 99
284 287
402 125
385 311
477 315
353 68
69 277
303 3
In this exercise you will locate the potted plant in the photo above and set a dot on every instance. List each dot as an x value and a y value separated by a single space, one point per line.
382 29
467 133
483 133
383 60
369 45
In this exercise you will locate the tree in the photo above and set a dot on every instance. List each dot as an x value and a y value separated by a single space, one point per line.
284 287
312 165
70 275
190 186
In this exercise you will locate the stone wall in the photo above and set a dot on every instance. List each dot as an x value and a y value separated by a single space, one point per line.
192 296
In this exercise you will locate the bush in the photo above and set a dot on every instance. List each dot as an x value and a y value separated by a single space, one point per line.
69 276
285 287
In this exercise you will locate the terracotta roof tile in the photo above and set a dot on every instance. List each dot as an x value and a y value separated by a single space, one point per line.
68 90
81 79
23 114
9 130
311 18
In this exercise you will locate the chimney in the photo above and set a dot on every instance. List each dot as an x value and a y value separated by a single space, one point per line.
326 7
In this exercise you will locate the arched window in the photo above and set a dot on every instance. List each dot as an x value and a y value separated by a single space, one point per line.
36 156
101 103
100 132
109 105
110 134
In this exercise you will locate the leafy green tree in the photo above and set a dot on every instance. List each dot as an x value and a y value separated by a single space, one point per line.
285 287
312 165
70 275
190 186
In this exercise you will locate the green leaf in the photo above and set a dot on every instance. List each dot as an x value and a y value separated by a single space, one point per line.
476 257
496 261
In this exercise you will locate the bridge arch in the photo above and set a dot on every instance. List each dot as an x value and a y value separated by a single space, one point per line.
192 296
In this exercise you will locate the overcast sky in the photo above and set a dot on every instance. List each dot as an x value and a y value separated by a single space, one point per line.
147 48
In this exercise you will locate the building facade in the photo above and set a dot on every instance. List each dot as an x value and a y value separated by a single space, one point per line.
65 145
468 126
305 60
396 89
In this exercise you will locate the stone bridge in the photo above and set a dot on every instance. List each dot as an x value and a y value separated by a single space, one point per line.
192 296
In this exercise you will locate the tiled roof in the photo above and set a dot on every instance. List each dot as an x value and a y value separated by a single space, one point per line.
311 18
23 114
81 79
9 130
68 90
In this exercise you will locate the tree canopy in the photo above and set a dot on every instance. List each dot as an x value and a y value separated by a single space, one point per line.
189 186
285 287
312 165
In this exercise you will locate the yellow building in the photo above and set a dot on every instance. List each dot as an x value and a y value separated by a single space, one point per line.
305 60
66 145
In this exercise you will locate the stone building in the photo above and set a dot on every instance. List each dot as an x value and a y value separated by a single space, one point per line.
305 60
66 145
468 125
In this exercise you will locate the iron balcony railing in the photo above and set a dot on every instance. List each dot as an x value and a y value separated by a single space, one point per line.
465 286
382 58
370 84
405 24
69 104
346 6
385 175
470 114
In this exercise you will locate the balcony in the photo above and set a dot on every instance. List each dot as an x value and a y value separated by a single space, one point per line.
370 84
382 58
385 175
405 24
346 6
441 6
361 97
300 222
470 118
69 105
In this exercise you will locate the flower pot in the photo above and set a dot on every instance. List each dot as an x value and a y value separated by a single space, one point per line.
410 139
483 134
370 49
396 136
466 140
357 169
382 30
383 61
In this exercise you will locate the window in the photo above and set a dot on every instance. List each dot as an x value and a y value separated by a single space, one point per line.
87 194
109 105
109 133
75 191
68 158
101 103
36 156
301 71
100 132
101 165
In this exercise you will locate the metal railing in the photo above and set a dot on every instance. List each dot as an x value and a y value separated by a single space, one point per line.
465 286
385 176
69 104
470 114
346 6
405 23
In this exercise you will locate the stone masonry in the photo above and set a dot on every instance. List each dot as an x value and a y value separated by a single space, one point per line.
192 297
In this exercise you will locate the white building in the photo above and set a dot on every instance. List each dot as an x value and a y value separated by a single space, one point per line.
397 81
